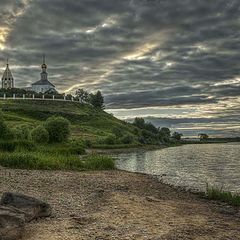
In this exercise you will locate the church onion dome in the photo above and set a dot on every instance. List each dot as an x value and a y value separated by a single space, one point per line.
44 65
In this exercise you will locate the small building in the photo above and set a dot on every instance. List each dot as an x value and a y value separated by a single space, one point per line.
43 85
7 78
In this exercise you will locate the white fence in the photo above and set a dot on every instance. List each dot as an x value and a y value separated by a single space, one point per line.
43 97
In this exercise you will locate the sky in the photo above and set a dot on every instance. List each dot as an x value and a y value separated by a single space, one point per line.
175 63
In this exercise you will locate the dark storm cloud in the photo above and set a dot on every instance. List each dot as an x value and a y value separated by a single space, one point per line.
167 97
140 53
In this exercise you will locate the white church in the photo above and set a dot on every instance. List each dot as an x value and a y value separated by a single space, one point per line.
41 86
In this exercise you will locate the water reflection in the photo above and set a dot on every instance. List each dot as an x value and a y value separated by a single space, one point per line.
189 166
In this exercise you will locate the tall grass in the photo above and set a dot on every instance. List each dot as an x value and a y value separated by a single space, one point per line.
63 149
39 160
21 145
99 162
224 196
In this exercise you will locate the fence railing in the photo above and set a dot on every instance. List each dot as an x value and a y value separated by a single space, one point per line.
42 97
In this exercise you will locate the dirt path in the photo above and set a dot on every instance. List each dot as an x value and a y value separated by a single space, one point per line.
119 205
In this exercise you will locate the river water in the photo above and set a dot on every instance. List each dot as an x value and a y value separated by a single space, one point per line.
189 166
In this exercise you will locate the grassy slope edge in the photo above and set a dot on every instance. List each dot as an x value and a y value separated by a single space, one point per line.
87 123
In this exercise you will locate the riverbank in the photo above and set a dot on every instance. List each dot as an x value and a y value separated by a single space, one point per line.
118 205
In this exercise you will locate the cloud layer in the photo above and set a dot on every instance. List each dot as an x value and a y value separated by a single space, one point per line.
140 53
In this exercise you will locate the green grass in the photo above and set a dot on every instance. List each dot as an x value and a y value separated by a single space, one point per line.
40 161
87 122
63 149
61 156
115 146
98 162
224 196
11 146
54 161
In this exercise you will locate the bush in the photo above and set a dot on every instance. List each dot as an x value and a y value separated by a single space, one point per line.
118 132
88 143
111 140
99 162
58 129
127 139
40 135
23 132
76 148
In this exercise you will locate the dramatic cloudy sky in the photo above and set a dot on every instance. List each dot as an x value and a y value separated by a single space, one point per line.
175 62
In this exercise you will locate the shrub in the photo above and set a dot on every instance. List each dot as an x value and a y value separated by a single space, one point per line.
76 148
99 162
127 139
111 140
40 135
23 132
117 131
58 129
88 143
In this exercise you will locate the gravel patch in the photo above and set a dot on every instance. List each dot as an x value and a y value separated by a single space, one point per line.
118 205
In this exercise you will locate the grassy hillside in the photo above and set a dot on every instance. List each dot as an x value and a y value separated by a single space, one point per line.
87 122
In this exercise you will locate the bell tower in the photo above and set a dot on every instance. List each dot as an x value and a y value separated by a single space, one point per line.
7 78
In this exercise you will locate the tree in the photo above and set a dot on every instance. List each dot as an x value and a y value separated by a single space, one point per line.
177 136
97 100
203 136
127 139
164 134
58 129
84 96
151 128
40 134
139 122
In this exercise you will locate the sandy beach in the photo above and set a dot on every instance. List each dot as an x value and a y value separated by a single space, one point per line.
119 205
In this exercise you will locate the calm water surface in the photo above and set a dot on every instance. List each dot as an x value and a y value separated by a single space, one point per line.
189 166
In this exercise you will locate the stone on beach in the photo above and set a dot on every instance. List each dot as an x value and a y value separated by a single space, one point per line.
12 222
32 207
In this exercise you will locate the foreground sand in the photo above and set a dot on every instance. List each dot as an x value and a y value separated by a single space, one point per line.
118 205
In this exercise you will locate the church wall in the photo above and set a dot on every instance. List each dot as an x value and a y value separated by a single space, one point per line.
41 88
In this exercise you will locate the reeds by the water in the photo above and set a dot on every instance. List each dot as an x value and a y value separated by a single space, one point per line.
224 196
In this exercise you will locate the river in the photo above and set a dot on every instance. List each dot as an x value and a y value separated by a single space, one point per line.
188 166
